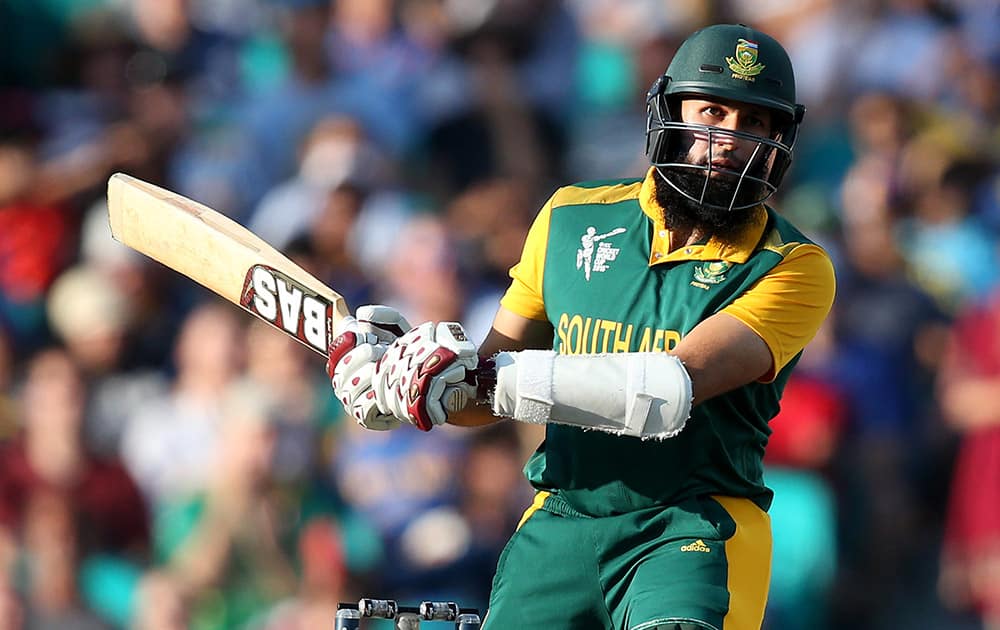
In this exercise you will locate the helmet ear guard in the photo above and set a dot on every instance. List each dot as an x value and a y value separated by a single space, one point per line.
658 87
656 108
661 110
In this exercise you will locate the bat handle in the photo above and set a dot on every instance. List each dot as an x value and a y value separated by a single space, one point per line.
484 377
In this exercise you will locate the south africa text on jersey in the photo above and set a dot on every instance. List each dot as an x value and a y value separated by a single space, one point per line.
579 334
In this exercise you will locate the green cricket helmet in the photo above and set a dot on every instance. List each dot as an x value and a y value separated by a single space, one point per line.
736 63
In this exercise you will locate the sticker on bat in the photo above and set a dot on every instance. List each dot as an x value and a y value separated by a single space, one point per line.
285 303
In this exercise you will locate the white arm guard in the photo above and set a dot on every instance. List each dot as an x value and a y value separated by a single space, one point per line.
645 394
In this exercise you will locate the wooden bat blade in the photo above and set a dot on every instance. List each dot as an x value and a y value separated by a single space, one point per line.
222 255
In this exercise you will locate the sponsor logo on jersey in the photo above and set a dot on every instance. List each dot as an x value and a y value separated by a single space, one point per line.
709 273
595 252
698 545
744 65
286 304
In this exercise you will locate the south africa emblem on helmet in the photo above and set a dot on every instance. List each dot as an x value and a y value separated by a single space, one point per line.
711 272
744 65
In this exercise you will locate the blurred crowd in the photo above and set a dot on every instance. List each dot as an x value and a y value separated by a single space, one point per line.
167 462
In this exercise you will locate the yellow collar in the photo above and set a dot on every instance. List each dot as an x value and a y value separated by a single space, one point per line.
737 251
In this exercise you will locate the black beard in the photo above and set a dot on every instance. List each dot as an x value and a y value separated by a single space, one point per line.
681 213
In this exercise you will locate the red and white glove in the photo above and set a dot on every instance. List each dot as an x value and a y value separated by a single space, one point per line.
358 343
427 373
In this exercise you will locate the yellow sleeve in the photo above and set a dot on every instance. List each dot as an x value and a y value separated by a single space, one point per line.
524 296
787 306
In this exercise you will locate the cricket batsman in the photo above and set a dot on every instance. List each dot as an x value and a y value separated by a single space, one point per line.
655 373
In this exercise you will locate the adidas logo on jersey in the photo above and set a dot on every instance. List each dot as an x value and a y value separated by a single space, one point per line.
697 545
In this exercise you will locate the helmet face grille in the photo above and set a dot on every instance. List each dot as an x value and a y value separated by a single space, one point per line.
714 167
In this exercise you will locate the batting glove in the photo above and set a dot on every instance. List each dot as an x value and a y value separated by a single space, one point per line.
359 342
426 374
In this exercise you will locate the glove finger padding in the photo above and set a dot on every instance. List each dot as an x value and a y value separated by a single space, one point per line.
385 377
426 374
352 381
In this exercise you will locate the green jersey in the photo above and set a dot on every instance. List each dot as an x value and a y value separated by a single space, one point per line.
598 265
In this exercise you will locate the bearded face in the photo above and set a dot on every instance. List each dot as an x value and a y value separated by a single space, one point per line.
714 163
680 212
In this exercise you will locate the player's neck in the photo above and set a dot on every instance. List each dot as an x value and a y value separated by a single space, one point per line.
684 236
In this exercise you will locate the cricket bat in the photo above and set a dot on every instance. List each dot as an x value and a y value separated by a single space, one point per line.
222 255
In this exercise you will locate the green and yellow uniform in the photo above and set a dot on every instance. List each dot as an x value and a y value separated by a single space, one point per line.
672 530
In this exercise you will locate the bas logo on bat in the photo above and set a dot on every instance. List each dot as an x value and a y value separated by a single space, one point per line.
288 305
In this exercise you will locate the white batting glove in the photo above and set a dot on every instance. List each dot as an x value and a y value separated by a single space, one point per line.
358 343
427 373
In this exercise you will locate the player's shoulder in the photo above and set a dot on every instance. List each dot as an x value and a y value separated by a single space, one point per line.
596 192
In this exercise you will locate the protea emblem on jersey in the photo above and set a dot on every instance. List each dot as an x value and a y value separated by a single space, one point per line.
744 65
711 272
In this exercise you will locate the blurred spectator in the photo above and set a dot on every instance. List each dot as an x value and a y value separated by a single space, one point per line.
338 164
272 125
807 433
902 49
488 223
91 119
51 557
36 240
880 124
322 579
969 388
170 443
159 604
330 239
306 422
421 280
208 60
50 481
336 152
8 417
620 55
368 469
888 333
221 543
280 367
952 255
90 314
366 38
495 107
